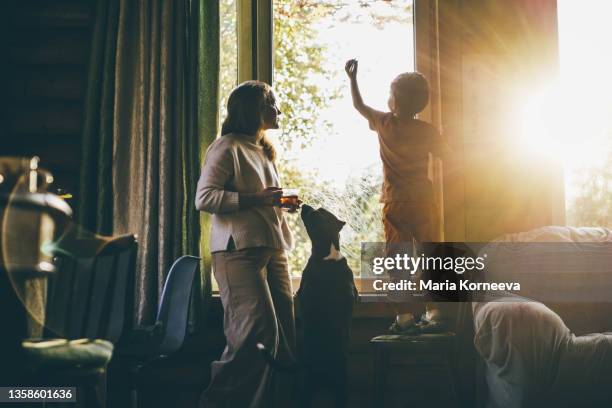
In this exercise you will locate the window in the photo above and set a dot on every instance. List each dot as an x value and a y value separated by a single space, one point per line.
228 69
585 127
570 119
326 149
228 58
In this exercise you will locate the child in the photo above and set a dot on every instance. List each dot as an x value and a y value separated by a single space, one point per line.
407 145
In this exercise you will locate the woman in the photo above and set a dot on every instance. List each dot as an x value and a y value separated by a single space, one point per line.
239 186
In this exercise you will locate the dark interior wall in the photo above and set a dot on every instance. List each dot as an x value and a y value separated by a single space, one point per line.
45 57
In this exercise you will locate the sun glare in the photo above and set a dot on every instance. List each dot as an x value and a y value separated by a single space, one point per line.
538 129
570 121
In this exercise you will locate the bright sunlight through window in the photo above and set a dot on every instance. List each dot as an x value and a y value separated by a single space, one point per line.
327 150
571 120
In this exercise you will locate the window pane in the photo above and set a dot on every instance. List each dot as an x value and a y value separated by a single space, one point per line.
228 63
228 68
581 111
326 148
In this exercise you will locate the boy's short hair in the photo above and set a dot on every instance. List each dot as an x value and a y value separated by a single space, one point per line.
411 93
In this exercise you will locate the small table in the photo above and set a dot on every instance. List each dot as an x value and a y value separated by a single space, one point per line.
413 370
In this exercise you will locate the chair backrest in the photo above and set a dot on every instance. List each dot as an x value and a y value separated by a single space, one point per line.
174 305
87 296
123 249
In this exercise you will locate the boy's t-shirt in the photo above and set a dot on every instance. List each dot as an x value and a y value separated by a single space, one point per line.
405 149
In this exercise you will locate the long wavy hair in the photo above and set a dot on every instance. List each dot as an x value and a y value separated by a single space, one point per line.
245 108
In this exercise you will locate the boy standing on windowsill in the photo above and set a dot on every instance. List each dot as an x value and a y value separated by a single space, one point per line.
407 145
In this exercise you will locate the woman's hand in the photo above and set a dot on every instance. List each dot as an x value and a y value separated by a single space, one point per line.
265 198
351 69
270 196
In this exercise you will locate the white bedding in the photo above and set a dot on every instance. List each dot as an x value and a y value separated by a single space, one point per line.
554 264
555 233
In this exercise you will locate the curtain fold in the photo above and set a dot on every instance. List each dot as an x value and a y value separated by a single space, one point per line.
146 123
95 196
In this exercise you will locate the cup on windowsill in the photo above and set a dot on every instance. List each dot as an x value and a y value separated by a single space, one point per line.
289 201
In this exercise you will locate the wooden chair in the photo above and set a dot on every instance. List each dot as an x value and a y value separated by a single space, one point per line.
88 295
86 308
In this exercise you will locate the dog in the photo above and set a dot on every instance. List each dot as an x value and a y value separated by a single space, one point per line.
326 297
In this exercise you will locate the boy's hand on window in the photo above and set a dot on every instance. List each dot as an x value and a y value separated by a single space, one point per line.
351 68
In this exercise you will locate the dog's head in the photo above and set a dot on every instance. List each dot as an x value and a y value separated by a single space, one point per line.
322 226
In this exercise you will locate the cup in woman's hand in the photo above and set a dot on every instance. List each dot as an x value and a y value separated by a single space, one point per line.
289 201
270 196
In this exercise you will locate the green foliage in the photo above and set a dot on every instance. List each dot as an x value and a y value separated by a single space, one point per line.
298 64
301 67
593 205
228 63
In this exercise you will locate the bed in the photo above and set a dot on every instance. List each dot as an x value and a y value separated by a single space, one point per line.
536 350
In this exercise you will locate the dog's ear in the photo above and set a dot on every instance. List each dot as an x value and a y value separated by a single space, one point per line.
306 210
332 218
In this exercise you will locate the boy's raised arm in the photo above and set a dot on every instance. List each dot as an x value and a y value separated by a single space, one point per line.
366 111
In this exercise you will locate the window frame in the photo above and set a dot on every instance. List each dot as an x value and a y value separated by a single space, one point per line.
255 42
256 46
255 32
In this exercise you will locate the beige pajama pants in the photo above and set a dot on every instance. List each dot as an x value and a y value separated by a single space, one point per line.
257 301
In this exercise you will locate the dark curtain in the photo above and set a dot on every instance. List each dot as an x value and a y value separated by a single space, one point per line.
151 109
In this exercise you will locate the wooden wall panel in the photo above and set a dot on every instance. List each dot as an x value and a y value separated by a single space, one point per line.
40 82
38 14
44 74
46 117
49 46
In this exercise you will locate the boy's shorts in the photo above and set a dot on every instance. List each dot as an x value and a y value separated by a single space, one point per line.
404 221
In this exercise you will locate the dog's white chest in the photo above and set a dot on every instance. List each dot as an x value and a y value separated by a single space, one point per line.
334 254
